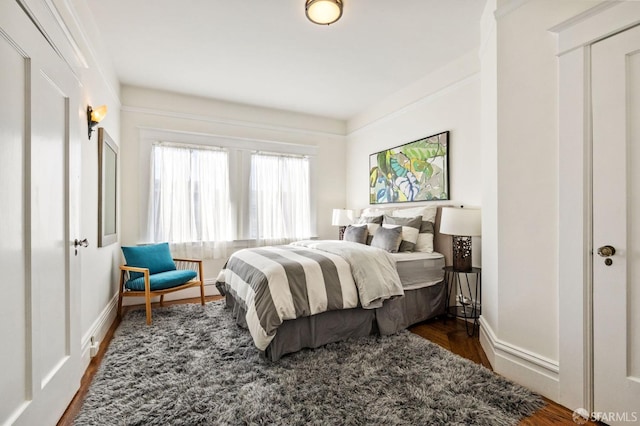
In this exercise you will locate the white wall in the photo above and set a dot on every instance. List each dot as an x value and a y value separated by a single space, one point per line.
447 99
146 109
522 338
488 115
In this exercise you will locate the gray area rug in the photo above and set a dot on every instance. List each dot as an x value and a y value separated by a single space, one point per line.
195 366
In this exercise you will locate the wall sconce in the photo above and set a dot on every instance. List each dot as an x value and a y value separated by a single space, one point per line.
94 116
323 12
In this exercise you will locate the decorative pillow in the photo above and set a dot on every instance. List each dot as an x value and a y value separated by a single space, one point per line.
410 230
373 223
388 238
424 243
356 234
156 257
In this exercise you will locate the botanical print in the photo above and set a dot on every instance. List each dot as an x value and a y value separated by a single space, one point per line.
416 171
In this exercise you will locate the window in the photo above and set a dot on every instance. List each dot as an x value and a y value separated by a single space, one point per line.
189 199
279 198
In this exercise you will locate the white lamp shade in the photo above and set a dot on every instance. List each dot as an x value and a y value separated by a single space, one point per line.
459 221
342 217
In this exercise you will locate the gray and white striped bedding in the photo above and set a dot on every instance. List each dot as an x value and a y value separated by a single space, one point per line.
281 283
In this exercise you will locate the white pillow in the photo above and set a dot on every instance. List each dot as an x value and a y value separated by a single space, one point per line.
428 213
375 211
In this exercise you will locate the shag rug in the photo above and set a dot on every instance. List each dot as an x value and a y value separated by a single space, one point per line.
195 366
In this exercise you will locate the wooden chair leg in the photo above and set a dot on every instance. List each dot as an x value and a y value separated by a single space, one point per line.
162 300
147 297
201 293
120 291
201 283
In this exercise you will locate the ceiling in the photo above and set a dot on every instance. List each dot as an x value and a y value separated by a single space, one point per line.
266 53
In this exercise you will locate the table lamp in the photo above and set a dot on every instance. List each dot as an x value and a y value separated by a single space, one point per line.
462 224
342 218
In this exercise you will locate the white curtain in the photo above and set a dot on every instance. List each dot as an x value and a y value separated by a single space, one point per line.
280 206
189 200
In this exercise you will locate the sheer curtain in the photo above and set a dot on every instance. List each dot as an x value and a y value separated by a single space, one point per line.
280 202
189 200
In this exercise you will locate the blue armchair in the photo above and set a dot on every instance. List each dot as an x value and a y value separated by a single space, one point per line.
151 271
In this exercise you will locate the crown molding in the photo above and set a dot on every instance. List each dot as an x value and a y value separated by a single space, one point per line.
475 76
509 7
226 121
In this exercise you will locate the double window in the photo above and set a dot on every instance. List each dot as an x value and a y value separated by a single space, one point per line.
192 206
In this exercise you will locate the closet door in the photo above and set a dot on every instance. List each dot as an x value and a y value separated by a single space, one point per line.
616 226
39 190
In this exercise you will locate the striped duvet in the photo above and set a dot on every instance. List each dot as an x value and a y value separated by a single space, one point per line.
279 283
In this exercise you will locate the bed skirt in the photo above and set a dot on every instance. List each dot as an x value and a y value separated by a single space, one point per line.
334 326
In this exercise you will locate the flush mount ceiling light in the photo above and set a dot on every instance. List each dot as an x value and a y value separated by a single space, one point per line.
323 12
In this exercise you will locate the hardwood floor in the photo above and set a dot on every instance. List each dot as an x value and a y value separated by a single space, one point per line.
450 334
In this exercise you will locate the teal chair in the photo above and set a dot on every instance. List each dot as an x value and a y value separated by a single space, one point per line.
151 271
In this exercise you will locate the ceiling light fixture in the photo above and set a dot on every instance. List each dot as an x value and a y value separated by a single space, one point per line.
323 12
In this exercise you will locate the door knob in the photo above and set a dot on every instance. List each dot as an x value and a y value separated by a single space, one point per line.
606 251
81 243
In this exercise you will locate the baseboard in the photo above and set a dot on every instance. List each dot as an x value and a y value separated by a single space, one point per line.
98 329
527 368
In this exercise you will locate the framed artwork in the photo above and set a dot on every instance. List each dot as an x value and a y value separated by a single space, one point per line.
107 189
415 171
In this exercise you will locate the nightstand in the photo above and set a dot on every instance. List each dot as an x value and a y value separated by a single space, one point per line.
468 295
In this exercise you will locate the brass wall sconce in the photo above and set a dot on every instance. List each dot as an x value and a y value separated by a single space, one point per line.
94 116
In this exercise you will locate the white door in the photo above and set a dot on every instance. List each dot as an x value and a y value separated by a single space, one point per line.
616 223
39 189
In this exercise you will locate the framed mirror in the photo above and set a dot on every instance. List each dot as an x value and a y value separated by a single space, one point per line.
107 189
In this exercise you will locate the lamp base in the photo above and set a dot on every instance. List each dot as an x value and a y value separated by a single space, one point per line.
462 253
341 232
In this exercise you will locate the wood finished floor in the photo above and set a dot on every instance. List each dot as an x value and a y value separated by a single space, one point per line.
450 334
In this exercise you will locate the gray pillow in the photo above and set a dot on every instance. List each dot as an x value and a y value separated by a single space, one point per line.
356 234
387 238
373 223
410 230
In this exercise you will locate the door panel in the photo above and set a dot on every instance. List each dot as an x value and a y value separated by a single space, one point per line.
616 216
48 222
39 168
14 386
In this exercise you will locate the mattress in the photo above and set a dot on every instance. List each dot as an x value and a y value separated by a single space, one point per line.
419 270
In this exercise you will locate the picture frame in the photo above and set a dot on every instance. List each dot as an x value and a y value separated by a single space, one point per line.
107 189
412 172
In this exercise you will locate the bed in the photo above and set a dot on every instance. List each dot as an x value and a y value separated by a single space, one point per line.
311 293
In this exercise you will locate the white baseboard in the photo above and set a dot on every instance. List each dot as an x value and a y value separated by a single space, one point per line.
98 329
534 371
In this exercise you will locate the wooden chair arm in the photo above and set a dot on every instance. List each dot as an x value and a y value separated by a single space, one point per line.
176 259
134 269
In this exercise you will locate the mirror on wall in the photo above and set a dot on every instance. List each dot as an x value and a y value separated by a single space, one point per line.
107 189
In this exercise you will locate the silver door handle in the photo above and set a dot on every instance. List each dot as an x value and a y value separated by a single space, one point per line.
81 243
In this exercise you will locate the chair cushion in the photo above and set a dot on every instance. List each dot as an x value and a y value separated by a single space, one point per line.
155 257
162 280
